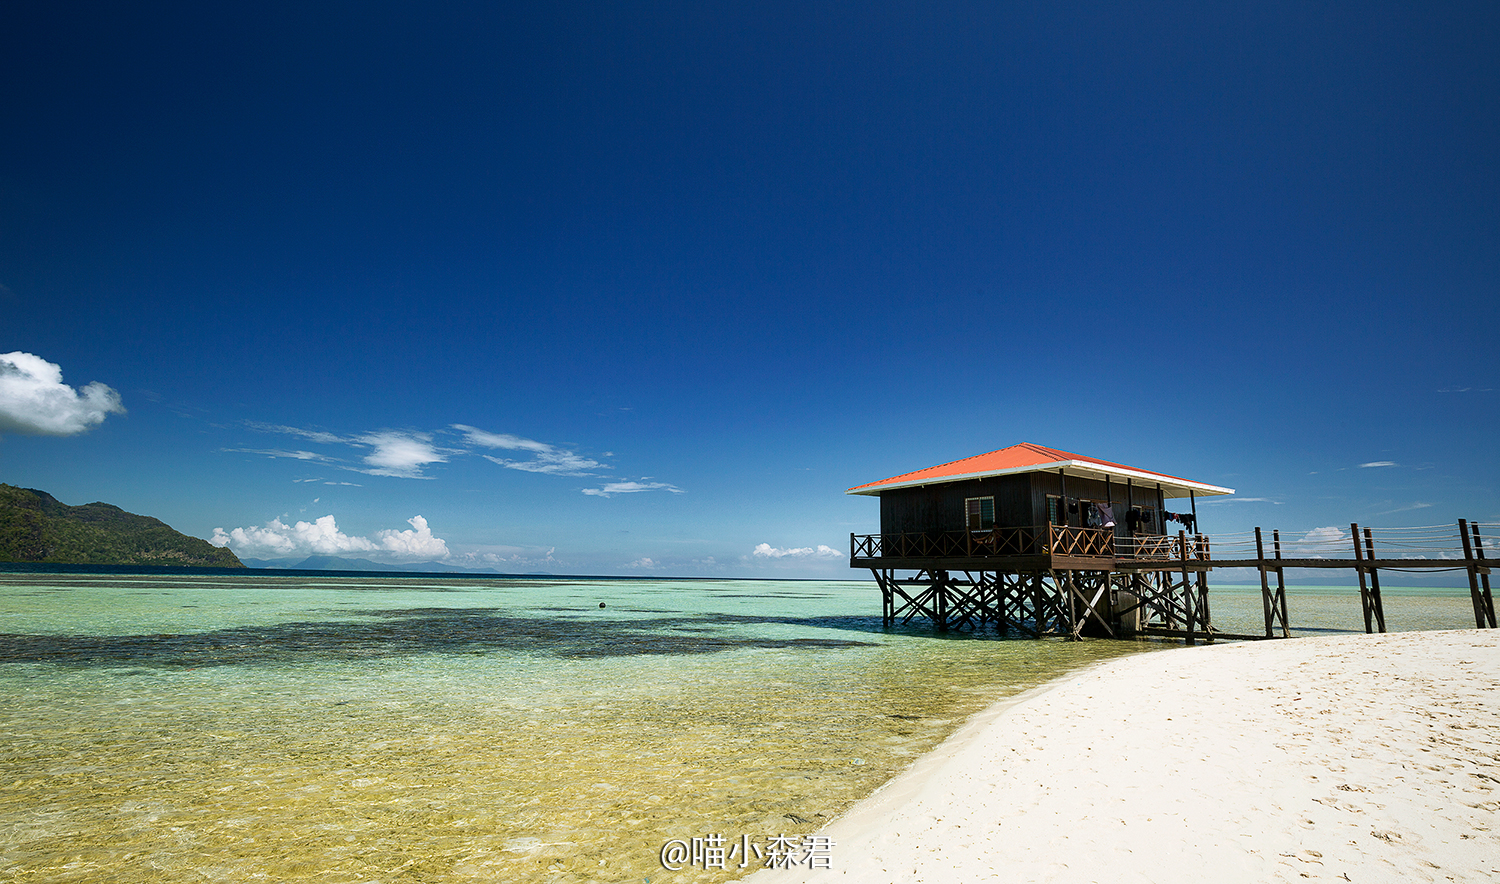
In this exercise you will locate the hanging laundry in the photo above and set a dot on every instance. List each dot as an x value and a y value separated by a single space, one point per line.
1106 515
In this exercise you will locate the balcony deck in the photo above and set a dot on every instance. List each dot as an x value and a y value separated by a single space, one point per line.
1033 548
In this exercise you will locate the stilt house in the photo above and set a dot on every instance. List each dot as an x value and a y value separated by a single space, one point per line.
1040 519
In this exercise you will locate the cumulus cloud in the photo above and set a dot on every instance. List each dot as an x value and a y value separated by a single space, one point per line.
416 542
642 562
767 551
400 454
612 488
35 401
323 537
320 536
1319 543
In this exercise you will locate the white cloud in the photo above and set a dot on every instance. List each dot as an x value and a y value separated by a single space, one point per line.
416 542
404 453
323 537
485 439
642 562
312 435
34 401
612 488
558 463
1377 463
767 551
1319 543
511 556
1325 535
545 458
401 455
282 452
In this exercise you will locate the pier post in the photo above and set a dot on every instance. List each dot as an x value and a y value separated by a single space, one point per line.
1484 604
1378 606
1359 566
1486 600
1265 585
1286 628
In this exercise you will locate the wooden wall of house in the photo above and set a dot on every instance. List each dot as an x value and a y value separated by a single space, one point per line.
1020 500
930 509
1122 496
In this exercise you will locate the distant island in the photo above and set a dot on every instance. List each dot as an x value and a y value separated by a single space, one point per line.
37 527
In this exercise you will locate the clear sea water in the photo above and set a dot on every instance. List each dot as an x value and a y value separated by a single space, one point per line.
167 728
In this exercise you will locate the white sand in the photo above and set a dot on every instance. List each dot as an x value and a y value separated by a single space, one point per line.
1359 758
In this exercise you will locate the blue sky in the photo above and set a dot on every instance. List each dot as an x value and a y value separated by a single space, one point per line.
641 289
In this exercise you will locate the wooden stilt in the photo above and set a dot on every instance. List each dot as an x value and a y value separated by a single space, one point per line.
940 588
1064 585
1038 600
1203 615
887 596
1187 588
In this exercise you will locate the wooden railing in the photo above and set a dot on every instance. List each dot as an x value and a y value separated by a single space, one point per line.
949 544
1081 543
1163 548
1039 540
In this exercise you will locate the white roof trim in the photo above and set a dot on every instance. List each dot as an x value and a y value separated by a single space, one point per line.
1081 468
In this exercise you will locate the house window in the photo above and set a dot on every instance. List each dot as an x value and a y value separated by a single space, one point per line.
981 513
1054 510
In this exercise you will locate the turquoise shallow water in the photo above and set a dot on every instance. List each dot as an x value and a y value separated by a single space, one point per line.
272 728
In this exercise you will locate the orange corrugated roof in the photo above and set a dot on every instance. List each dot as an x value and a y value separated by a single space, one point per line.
1025 458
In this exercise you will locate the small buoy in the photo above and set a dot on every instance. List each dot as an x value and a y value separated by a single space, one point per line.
601 604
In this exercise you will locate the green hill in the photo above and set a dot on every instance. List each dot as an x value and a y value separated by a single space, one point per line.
36 527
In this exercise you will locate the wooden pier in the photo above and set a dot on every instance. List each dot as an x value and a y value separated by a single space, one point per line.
1070 581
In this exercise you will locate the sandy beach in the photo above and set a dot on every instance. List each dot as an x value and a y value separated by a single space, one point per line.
1351 758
